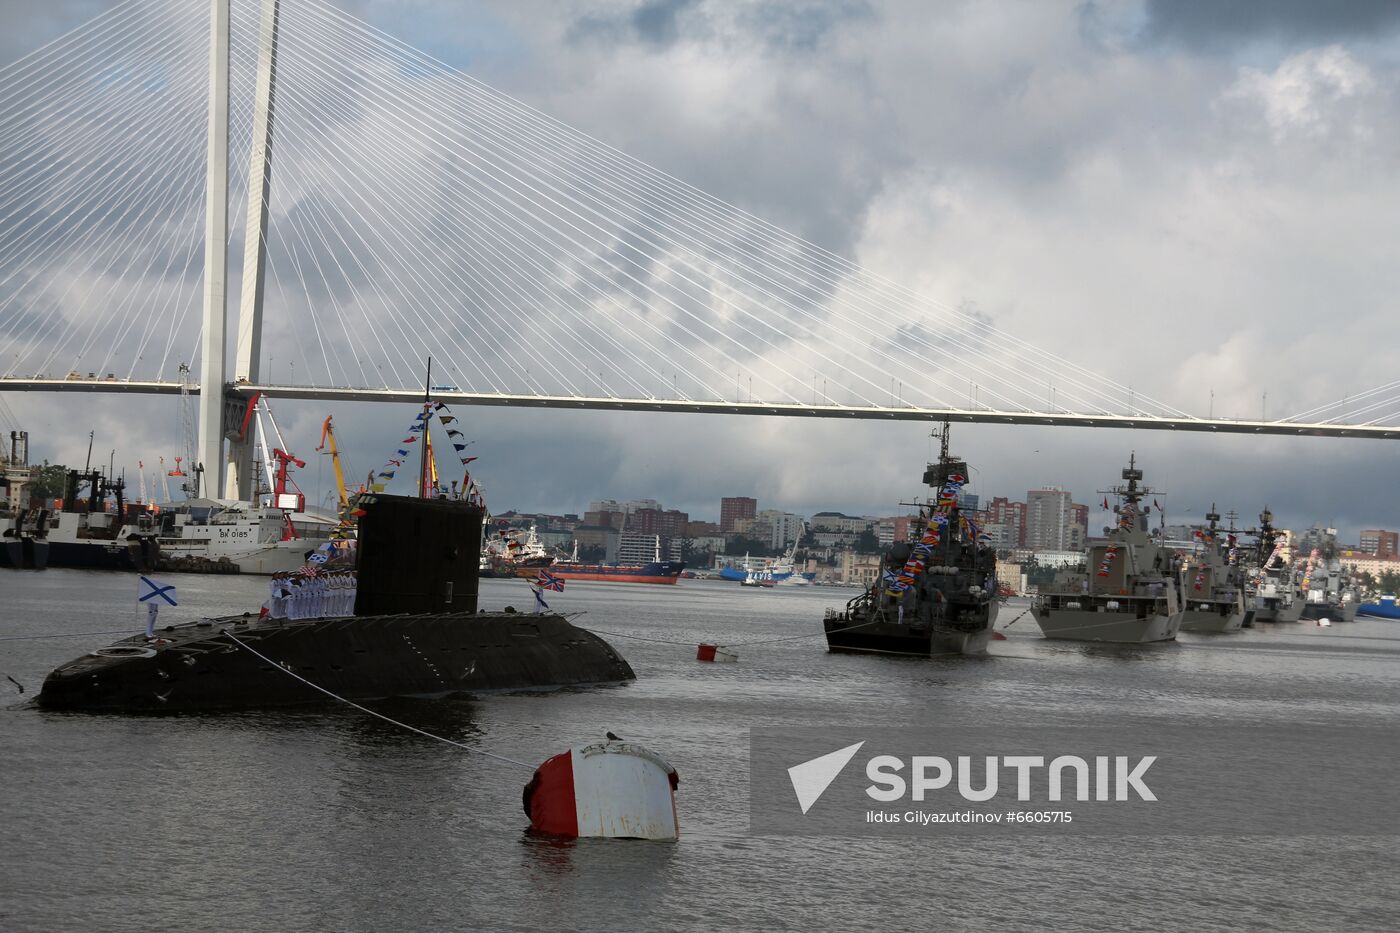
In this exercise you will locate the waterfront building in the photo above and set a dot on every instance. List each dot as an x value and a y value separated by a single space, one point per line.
863 569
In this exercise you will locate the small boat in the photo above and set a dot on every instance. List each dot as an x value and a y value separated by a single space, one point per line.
1126 594
760 578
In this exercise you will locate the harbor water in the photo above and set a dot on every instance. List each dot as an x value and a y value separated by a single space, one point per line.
325 818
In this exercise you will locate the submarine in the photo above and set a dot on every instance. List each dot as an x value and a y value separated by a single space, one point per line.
415 631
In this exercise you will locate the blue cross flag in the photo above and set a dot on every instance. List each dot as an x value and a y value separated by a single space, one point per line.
155 593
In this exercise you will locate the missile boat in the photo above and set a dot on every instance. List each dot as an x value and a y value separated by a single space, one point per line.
936 596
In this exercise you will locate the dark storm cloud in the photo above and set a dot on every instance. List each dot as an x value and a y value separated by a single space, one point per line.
654 22
1213 22
799 27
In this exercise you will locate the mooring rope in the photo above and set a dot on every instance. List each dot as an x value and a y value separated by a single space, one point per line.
364 709
125 631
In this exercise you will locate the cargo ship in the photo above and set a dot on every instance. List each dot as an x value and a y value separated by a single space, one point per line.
1385 607
659 571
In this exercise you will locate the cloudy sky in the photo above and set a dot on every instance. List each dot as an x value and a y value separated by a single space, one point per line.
1197 199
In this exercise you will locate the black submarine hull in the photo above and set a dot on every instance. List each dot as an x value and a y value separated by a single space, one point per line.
198 666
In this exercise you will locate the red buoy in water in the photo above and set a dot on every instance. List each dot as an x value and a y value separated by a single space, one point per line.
706 652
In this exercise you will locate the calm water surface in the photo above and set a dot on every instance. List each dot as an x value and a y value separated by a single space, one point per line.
325 818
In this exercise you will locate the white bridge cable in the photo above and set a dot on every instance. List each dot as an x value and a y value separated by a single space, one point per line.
838 265
643 360
296 245
1347 407
11 259
184 188
661 229
539 199
78 212
441 108
304 199
140 204
467 243
94 148
371 207
303 195
93 30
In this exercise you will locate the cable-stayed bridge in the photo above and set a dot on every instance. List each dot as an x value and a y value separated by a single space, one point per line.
375 207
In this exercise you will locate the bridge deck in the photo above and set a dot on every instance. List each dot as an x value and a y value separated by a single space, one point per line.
788 410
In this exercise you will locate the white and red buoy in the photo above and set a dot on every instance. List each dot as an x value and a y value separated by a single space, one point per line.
609 790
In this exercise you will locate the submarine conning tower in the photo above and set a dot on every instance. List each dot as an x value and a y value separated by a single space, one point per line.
418 556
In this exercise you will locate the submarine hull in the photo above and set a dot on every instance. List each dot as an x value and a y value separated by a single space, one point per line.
198 666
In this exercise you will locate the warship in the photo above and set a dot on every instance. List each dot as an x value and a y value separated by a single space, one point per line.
1276 597
1127 594
937 596
414 631
1328 591
1211 587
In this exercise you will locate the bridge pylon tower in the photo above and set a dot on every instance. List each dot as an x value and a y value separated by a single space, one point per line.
221 410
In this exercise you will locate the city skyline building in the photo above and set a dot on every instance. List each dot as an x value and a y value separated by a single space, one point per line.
734 508
1047 518
1382 543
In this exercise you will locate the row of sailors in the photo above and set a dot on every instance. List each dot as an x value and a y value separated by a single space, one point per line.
299 596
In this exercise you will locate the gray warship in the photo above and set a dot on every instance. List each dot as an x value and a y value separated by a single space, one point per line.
1212 591
936 596
415 631
1276 597
1328 592
1126 594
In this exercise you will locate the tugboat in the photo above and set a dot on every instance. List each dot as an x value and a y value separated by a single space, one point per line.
1212 597
935 597
1276 597
1127 595
414 631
